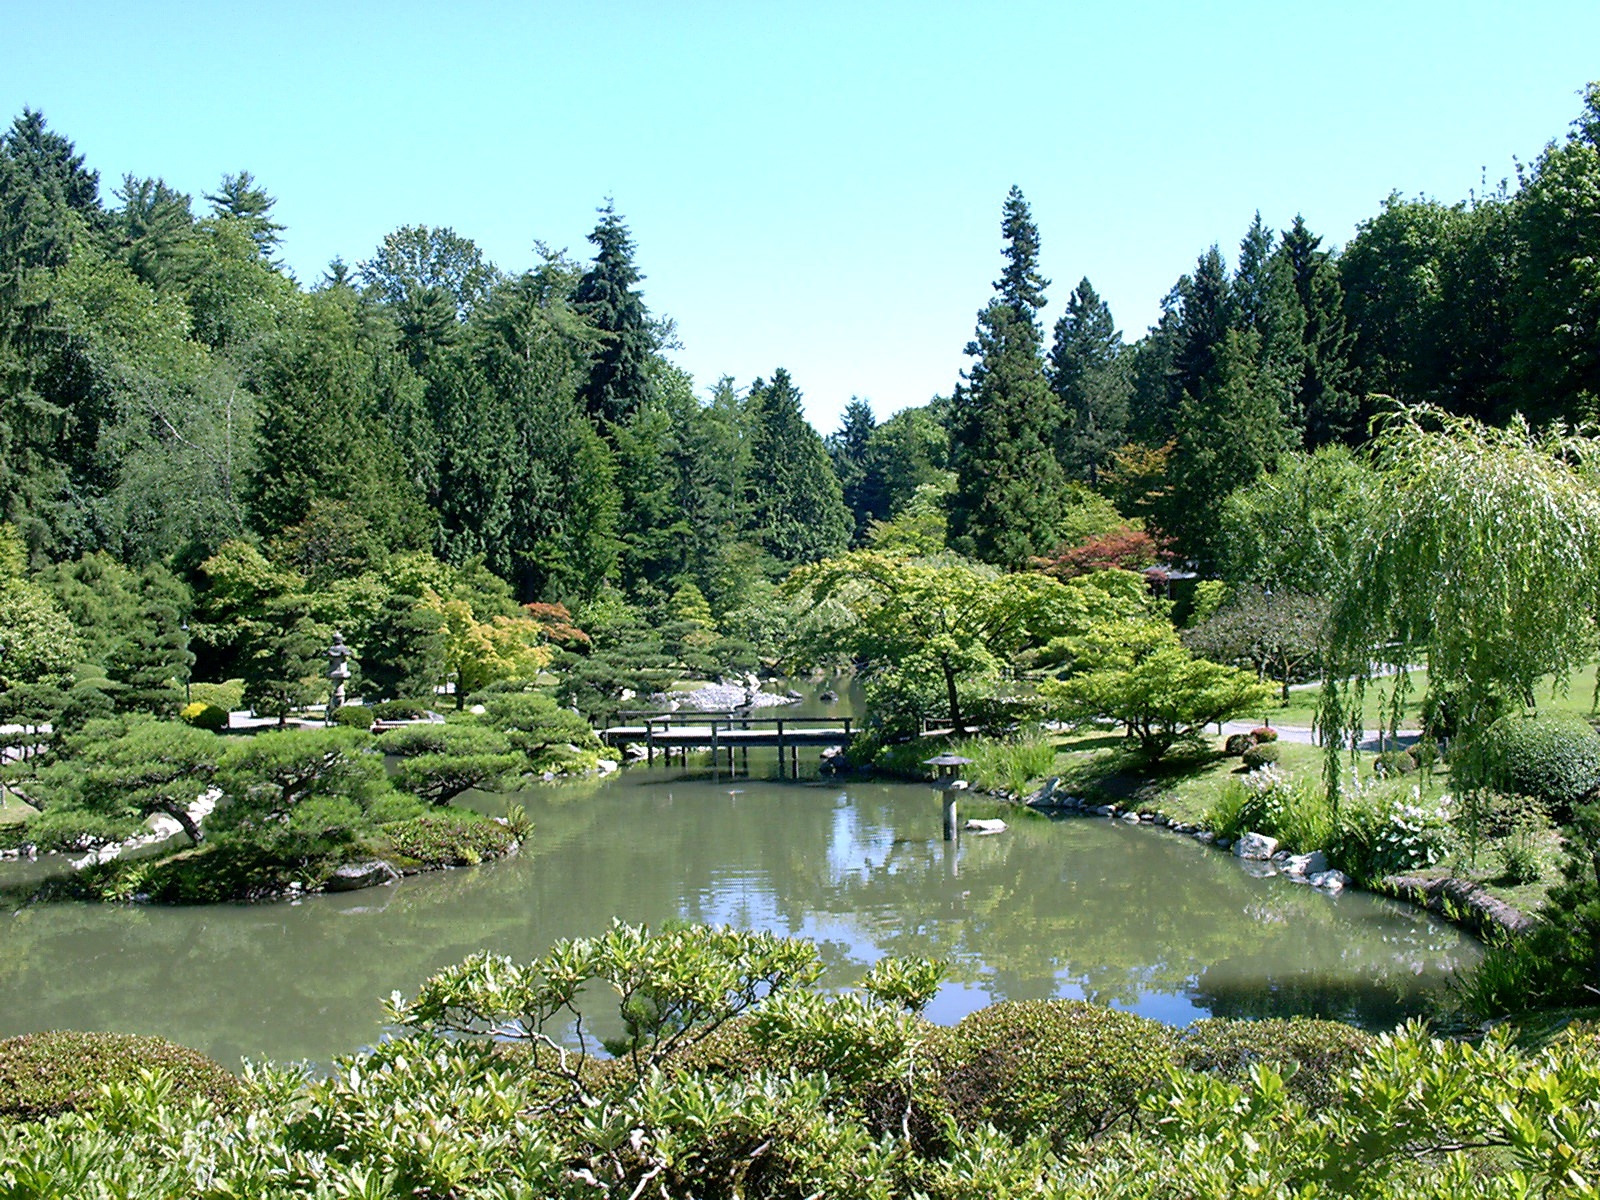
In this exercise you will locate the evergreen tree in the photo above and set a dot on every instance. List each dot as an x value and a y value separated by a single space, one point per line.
1006 506
403 653
619 379
1089 378
851 449
1152 403
796 510
1323 393
239 198
153 232
151 660
284 668
1207 315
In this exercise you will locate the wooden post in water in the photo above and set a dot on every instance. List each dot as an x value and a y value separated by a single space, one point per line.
780 747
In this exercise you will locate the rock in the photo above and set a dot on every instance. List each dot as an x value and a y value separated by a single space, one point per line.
1131 818
959 785
1255 846
477 710
1204 836
635 752
606 765
794 695
1257 868
1332 882
828 697
1106 810
1148 817
352 877
981 826
1222 843
1160 819
1315 863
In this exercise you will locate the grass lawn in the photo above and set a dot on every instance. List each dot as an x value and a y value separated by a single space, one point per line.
14 811
1303 702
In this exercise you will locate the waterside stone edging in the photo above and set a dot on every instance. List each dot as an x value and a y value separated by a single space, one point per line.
1460 901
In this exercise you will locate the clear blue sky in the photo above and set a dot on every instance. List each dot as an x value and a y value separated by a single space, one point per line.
818 185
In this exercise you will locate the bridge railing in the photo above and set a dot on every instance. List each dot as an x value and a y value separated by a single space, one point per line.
663 718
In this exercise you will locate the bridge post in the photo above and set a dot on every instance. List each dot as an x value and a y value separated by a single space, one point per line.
780 747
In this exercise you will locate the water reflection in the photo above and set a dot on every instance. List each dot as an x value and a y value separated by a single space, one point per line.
1132 917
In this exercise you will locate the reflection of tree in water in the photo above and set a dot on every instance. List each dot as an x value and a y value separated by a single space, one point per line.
1373 1002
1045 908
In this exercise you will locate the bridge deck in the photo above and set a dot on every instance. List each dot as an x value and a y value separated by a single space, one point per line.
703 736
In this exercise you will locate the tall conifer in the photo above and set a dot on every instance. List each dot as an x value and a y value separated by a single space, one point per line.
1086 375
619 379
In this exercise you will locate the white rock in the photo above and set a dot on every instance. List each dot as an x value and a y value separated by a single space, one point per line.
1131 818
477 710
1105 810
606 766
1255 845
1315 863
1332 882
981 826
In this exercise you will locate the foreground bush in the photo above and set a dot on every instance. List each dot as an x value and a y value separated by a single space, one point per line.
1065 1069
45 1074
1312 1056
779 1110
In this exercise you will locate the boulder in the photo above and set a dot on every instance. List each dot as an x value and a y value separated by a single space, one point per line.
1332 882
1204 836
981 826
352 877
1255 846
829 697
1315 863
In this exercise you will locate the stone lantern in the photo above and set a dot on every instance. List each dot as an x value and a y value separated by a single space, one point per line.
338 673
946 769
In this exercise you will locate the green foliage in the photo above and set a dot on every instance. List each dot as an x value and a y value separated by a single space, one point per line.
399 710
1555 758
796 508
1011 763
1482 551
1311 1055
1389 828
204 716
301 792
1261 755
1066 1069
353 716
1138 674
532 723
446 839
45 1074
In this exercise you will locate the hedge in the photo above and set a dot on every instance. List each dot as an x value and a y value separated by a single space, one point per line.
44 1074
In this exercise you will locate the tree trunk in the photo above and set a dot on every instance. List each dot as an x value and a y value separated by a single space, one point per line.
956 723
180 814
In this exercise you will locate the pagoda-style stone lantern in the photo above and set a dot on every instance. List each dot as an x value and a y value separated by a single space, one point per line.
946 782
338 673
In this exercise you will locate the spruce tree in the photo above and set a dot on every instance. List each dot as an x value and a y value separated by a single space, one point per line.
240 198
851 449
796 510
1087 376
619 379
1005 421
1324 394
1207 316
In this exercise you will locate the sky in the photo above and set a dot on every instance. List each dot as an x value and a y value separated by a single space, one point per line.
815 186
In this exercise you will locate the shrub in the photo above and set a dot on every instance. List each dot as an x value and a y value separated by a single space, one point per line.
43 1074
1556 758
447 839
1263 734
1521 857
1068 1069
399 710
1394 762
1237 744
1319 1051
353 716
1010 763
204 716
1425 752
226 696
1260 756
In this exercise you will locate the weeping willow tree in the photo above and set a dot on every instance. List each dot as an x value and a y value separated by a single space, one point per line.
1483 553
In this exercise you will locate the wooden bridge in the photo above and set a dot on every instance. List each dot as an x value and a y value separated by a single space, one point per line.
663 731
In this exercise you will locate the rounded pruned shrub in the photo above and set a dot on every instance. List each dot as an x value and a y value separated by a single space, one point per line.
44 1074
353 716
1556 757
1394 762
1263 734
1316 1052
204 716
399 710
1065 1068
1238 744
1261 756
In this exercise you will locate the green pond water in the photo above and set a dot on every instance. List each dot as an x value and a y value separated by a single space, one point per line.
1135 917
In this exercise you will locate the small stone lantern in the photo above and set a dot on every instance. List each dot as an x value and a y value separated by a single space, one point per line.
947 784
338 673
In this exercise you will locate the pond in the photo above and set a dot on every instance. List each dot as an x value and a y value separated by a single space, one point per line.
1138 918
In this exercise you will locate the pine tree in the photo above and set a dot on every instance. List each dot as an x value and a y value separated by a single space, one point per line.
796 510
1007 501
283 669
240 198
1265 303
1207 316
619 379
1087 376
